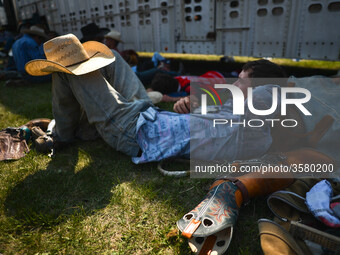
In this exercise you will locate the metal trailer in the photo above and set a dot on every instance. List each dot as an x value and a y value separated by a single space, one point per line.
3 18
300 29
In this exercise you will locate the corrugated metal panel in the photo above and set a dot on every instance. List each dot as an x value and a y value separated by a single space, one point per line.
3 18
261 28
164 26
270 28
233 22
319 36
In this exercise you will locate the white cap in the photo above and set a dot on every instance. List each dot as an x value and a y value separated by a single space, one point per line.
115 35
155 96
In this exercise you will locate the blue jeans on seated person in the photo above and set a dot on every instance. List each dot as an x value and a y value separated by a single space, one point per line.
106 96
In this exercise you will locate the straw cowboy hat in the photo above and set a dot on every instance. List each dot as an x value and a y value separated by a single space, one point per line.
66 54
115 35
34 30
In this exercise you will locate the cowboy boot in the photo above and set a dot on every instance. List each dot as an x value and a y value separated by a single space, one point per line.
42 123
255 185
219 209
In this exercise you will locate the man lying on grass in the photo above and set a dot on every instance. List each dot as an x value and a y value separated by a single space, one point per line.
88 78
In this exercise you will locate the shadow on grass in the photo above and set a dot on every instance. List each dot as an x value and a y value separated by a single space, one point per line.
79 181
32 101
76 179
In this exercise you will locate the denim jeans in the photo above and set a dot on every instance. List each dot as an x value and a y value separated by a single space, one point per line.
106 97
147 76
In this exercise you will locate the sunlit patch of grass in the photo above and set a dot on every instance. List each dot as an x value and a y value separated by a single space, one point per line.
135 221
84 160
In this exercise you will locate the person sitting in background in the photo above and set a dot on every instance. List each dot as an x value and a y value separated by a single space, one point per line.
179 86
10 70
6 39
257 69
22 26
147 76
157 64
131 57
27 48
51 34
160 65
91 32
112 39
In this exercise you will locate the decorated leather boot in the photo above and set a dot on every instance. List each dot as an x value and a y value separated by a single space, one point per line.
209 226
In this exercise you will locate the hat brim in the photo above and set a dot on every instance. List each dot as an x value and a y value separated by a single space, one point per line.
101 33
100 56
32 32
117 39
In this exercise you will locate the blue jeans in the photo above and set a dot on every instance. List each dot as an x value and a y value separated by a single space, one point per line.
106 97
147 76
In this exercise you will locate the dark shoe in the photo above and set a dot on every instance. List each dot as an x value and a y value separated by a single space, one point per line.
44 144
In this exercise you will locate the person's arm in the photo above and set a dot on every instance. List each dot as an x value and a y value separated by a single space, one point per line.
167 98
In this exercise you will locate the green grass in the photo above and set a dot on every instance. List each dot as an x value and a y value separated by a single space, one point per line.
90 199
